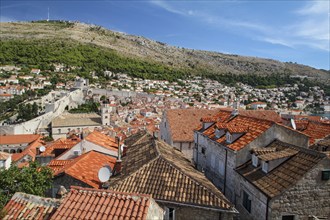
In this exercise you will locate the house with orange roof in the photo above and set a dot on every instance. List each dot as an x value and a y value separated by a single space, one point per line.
28 154
81 171
16 143
223 142
84 203
94 141
177 128
55 149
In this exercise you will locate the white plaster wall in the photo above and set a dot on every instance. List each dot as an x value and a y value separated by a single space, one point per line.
89 146
32 126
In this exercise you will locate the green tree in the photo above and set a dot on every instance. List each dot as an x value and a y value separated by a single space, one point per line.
34 179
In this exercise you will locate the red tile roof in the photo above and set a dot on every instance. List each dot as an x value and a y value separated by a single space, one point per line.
103 140
59 144
315 130
18 138
250 126
286 174
31 150
182 122
84 203
153 167
57 165
26 206
85 167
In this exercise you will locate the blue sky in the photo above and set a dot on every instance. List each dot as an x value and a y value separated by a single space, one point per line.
296 31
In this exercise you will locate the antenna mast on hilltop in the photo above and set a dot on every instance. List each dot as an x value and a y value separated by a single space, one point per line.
48 15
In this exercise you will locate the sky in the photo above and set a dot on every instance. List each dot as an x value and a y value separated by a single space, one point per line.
286 30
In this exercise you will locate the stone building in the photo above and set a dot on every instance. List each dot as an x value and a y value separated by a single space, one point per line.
153 167
81 171
16 143
96 141
224 141
67 122
177 128
283 181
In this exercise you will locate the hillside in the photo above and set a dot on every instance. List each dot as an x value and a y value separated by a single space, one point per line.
142 50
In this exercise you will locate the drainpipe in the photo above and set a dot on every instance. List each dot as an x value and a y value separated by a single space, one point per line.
267 208
119 148
197 152
225 180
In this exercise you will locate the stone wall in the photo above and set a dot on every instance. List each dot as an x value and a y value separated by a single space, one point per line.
66 181
155 212
258 200
33 126
310 196
195 213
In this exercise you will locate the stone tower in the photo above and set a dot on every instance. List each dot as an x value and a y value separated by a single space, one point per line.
105 114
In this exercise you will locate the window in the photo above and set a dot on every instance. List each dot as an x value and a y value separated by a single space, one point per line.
221 168
169 213
203 150
288 217
246 201
59 131
325 174
228 138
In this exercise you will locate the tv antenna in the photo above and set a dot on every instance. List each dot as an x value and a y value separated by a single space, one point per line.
104 173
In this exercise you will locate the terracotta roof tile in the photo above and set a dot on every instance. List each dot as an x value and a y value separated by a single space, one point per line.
278 154
59 144
316 130
18 138
286 174
103 140
163 172
251 127
26 206
182 122
86 166
102 204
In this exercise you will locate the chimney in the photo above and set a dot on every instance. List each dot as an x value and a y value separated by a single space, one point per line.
119 147
61 192
118 167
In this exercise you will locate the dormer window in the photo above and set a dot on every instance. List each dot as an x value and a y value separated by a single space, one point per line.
265 166
228 138
218 133
255 160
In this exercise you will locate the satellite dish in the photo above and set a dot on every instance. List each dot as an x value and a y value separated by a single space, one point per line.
42 149
293 124
104 173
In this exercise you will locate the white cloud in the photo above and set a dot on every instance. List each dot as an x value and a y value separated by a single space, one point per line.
6 19
310 27
168 7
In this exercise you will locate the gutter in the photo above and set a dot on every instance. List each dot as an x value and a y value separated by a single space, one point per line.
231 210
225 179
